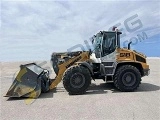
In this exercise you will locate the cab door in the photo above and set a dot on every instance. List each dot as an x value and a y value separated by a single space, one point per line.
108 52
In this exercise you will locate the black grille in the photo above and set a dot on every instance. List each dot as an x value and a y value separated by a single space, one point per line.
109 70
140 59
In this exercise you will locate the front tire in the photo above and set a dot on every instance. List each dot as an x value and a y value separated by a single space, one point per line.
76 79
127 78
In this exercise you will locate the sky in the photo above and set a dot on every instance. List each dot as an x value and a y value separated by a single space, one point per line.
33 29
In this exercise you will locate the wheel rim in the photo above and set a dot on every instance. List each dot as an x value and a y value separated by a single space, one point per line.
129 79
77 80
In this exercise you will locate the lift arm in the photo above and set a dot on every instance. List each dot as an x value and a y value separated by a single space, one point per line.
60 66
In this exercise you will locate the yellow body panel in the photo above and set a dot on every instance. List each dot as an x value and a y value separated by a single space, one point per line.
126 55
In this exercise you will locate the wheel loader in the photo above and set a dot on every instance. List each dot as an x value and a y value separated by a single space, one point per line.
107 61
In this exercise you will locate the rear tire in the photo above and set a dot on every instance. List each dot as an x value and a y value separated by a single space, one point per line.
76 79
127 78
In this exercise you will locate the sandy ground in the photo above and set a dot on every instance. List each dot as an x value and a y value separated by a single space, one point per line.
102 100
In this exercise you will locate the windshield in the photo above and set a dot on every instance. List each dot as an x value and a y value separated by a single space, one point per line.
97 40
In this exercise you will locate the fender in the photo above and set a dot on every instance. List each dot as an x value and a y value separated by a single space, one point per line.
87 65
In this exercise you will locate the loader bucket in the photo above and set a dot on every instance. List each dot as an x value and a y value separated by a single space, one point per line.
30 81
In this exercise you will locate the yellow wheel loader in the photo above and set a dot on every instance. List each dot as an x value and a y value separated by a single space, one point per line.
107 61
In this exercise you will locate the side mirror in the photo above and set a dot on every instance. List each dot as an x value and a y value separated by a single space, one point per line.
90 51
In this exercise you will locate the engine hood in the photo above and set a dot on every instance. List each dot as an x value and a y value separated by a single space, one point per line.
139 53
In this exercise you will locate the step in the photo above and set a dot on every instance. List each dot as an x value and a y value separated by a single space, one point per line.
109 66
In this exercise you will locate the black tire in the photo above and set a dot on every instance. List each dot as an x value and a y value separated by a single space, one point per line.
76 80
127 78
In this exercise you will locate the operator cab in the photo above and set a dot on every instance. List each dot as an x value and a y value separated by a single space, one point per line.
106 42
